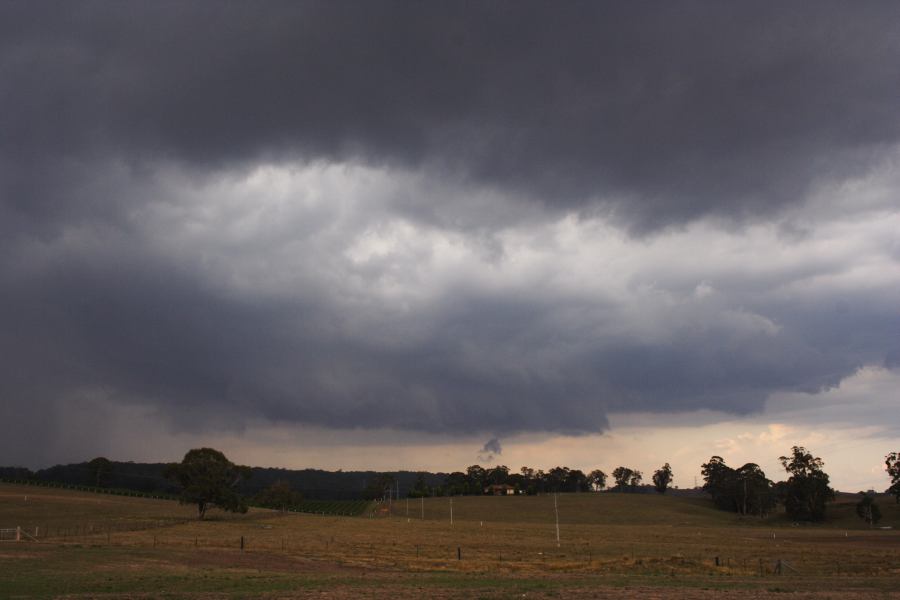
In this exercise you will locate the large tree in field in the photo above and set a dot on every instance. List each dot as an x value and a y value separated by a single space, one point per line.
597 479
662 477
208 479
892 463
806 491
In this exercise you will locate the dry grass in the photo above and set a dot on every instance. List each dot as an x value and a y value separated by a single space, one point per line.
506 543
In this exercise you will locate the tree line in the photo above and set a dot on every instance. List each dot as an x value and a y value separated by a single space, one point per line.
206 478
804 494
477 480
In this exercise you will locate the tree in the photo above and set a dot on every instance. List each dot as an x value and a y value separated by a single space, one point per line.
279 496
753 493
420 487
456 483
806 491
208 479
100 469
621 475
380 487
498 475
528 480
540 481
662 477
476 476
556 478
627 479
576 481
636 478
745 490
597 479
892 463
868 510
719 482
517 481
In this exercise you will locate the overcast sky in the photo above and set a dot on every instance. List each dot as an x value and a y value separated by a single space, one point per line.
452 232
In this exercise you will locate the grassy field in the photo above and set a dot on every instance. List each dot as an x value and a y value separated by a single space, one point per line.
611 545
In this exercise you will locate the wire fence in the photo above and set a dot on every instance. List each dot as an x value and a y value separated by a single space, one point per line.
441 552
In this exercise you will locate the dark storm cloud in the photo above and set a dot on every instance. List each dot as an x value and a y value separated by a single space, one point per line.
149 332
490 450
662 112
132 331
132 273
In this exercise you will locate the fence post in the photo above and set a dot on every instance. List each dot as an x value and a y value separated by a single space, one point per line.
18 533
242 543
458 553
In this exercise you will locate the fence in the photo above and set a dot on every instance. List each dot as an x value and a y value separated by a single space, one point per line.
17 534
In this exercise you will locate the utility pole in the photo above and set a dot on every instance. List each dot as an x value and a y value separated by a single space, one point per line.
451 510
423 508
556 511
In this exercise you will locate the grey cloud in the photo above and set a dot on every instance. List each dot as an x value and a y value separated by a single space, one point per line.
490 450
658 112
120 119
155 333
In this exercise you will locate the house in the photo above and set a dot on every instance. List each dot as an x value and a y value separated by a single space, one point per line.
499 489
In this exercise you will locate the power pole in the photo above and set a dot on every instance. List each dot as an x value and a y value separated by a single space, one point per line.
451 510
556 511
